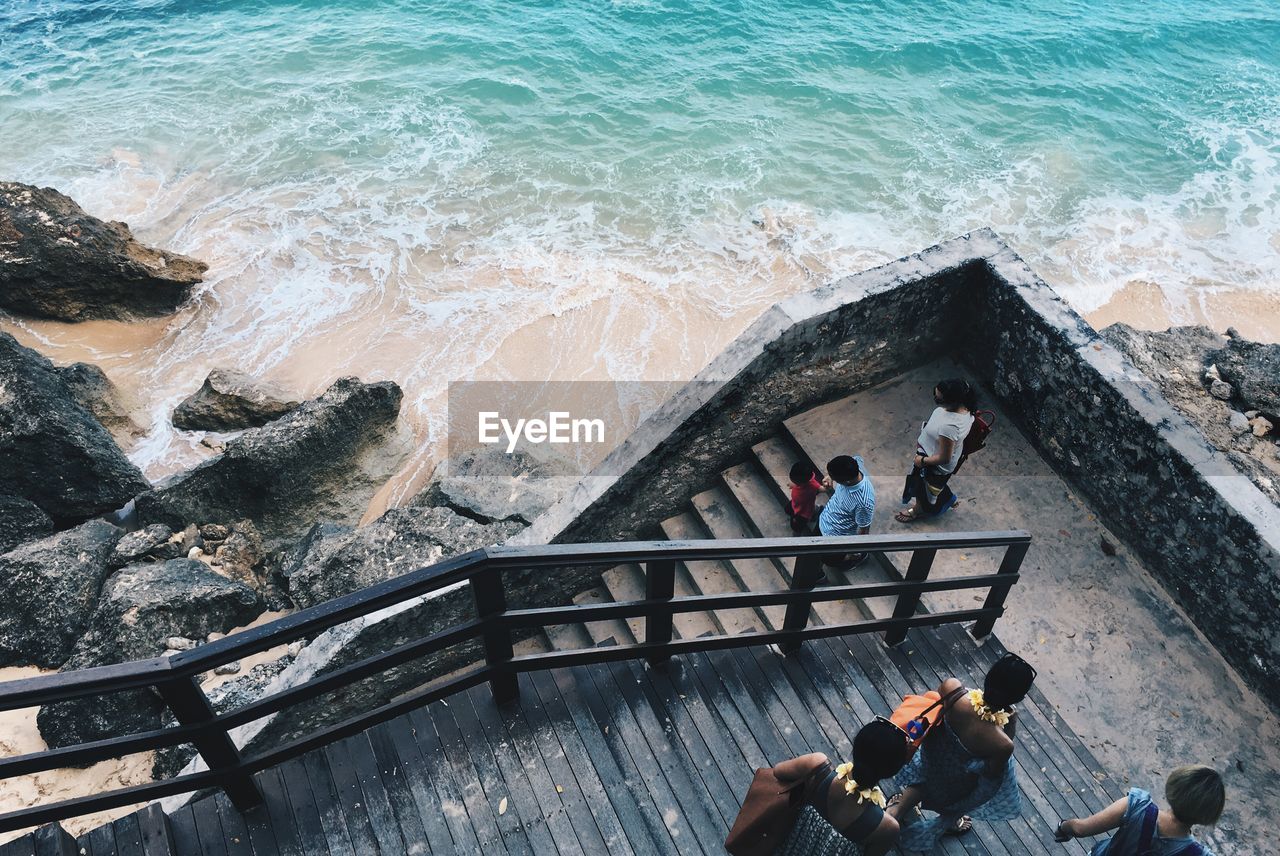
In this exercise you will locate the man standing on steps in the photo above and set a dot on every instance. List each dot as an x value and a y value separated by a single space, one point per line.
851 507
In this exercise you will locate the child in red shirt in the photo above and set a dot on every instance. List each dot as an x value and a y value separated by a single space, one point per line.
805 488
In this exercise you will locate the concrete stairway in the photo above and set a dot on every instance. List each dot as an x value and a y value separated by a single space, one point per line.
747 501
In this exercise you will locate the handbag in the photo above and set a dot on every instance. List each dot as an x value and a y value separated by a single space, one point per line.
768 812
912 716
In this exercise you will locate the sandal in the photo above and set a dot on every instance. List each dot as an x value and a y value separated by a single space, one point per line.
960 827
908 516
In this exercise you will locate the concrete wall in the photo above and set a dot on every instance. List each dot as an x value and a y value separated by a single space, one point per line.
1202 528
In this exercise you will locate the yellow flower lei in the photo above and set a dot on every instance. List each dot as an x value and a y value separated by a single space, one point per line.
872 795
986 714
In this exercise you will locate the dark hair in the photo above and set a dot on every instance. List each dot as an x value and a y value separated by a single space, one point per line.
1007 682
843 469
879 751
801 472
1195 794
957 391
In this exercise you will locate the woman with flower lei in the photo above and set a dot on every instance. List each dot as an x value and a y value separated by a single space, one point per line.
843 814
964 770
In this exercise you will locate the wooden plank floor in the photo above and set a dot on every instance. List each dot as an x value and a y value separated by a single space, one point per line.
621 758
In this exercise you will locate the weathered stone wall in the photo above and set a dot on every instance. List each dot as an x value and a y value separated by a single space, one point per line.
1202 528
839 339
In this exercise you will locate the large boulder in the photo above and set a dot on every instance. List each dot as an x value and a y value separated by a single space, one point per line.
90 386
490 484
331 560
141 606
48 589
231 400
20 521
53 451
58 262
312 463
1253 368
154 543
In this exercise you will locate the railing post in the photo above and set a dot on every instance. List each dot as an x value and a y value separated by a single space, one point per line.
660 584
491 603
806 575
191 706
917 571
1012 561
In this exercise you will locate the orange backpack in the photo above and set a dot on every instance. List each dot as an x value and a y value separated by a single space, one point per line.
912 716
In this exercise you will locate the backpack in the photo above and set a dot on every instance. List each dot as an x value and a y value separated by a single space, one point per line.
976 439
1147 836
912 716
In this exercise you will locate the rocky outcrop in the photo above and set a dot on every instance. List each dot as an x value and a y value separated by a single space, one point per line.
53 452
58 262
1186 365
154 543
229 401
331 561
309 464
21 521
48 589
141 606
490 484
1253 370
90 386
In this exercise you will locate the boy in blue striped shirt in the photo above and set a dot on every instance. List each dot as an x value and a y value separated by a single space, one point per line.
852 505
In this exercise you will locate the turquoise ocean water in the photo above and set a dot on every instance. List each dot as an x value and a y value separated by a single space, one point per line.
422 190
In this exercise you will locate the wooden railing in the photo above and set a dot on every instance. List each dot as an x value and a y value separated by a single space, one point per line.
174 678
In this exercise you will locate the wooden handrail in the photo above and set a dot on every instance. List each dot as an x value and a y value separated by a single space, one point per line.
483 570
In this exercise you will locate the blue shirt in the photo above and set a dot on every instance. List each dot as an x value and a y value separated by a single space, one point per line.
1125 841
851 507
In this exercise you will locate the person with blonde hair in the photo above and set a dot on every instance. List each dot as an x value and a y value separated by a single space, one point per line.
1195 795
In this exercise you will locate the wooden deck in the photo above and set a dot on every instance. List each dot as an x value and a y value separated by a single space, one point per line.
612 759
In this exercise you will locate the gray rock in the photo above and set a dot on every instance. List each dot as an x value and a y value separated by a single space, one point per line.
231 668
140 608
491 485
329 561
48 589
179 643
1254 369
21 521
149 543
42 423
240 555
58 262
96 393
1221 390
231 400
1239 424
289 472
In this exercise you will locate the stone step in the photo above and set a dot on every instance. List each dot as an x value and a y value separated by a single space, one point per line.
754 488
567 637
601 631
712 577
720 515
776 456
750 490
627 582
